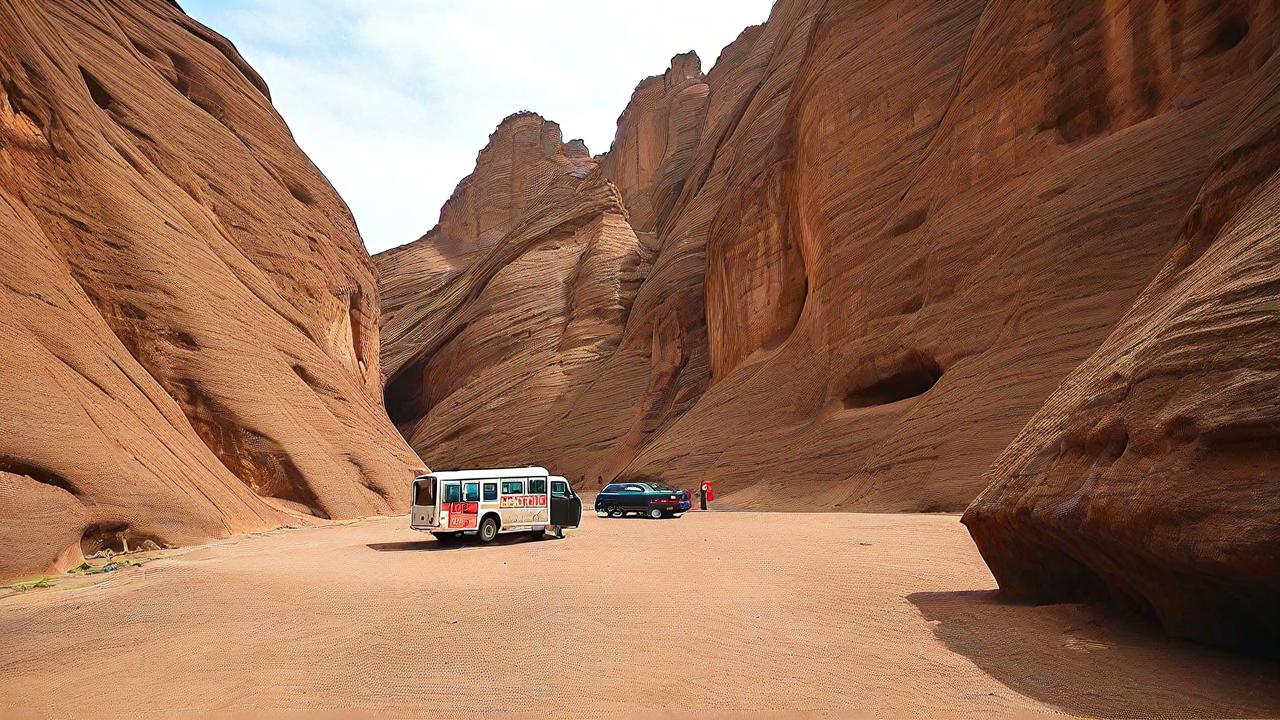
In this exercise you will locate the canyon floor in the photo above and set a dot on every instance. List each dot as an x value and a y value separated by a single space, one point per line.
715 613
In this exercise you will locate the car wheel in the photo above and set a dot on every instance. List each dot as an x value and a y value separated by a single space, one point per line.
488 530
656 513
616 512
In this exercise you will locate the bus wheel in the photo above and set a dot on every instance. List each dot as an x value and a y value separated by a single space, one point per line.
656 513
488 530
448 537
539 533
616 512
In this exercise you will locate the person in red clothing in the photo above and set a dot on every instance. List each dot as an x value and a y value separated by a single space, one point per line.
705 494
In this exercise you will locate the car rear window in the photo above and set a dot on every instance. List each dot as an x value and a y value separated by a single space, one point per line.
612 488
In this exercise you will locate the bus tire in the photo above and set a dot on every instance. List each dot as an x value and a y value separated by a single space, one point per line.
616 512
539 533
656 513
488 529
447 538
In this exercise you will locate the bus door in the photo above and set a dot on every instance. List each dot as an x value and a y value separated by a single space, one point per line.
425 511
566 507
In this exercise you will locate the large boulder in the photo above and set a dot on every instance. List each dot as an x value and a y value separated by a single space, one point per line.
1152 475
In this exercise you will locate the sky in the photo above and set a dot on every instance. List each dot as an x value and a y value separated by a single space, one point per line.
392 99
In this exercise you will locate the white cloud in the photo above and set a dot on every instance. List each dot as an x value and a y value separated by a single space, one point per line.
393 98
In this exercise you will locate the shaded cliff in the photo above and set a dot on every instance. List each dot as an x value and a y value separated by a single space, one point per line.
188 314
1152 474
933 214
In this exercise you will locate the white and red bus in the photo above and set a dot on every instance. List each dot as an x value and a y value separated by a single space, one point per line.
485 503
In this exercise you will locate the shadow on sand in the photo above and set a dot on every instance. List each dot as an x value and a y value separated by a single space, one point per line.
1089 662
461 544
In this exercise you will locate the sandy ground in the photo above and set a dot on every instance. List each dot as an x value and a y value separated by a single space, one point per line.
712 613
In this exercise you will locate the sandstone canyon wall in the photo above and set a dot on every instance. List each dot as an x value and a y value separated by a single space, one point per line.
881 246
1152 474
511 304
188 315
882 234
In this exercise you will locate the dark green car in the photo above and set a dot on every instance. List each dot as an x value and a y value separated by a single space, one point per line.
655 500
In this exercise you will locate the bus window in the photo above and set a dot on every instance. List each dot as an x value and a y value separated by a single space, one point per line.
559 488
537 486
512 487
452 493
424 492
490 491
471 491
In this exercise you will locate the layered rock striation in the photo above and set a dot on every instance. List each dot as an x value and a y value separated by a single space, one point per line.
188 314
544 268
1151 476
882 234
891 253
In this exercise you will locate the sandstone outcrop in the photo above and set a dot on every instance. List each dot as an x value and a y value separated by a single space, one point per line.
1152 474
188 315
933 215
882 234
543 270
525 158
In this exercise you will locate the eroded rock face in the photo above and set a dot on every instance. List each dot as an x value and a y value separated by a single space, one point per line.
525 158
188 315
884 232
657 139
520 321
931 215
1152 475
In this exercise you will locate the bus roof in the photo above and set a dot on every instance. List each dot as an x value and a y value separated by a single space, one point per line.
489 473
